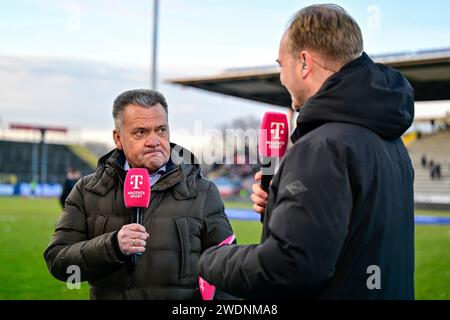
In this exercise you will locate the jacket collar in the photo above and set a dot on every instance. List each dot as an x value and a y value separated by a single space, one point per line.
305 126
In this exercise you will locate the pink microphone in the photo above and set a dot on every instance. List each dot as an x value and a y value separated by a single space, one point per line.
136 194
272 144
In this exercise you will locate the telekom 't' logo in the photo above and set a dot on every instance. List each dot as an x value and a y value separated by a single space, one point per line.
279 129
136 181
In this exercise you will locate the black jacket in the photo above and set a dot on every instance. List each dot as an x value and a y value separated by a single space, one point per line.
185 216
341 202
67 187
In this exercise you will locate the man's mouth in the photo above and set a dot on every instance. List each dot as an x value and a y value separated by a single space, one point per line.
153 152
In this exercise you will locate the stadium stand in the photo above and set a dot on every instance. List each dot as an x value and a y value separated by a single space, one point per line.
85 154
16 158
435 147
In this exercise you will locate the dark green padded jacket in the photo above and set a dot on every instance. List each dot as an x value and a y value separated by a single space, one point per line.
184 218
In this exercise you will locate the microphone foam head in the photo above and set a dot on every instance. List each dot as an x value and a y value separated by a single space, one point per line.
136 189
273 135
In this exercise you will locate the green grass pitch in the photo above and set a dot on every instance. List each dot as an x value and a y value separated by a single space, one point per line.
26 226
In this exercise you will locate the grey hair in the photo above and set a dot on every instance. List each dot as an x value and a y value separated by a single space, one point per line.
141 97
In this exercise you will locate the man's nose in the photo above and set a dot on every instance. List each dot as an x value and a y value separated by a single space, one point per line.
152 140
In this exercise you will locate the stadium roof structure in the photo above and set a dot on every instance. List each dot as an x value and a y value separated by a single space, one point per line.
427 71
42 129
37 128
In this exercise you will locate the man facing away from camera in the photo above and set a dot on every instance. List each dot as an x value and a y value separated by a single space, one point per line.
339 216
185 215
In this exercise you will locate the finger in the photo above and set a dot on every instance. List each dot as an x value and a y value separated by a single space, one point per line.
135 227
135 235
258 200
256 188
134 245
139 243
258 209
139 235
258 176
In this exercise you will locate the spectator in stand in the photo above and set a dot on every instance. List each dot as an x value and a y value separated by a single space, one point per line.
71 179
438 171
424 161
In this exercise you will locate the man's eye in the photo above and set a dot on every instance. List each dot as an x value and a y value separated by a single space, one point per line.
139 133
162 130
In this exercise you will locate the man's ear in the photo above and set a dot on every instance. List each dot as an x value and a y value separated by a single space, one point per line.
306 63
116 137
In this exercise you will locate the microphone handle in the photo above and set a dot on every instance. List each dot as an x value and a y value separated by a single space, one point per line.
268 170
265 182
137 215
137 218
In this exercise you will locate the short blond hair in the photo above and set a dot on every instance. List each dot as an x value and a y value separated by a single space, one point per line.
328 30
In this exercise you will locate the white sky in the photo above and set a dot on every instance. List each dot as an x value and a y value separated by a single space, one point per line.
62 62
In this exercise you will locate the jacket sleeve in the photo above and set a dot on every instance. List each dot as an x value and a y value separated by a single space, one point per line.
307 229
216 224
217 228
70 244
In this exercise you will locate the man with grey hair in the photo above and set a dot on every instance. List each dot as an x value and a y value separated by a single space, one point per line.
339 215
185 216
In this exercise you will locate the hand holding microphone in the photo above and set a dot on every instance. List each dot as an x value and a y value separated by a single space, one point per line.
136 193
259 196
272 144
132 239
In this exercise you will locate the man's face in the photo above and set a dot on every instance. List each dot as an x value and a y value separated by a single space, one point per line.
144 136
291 74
